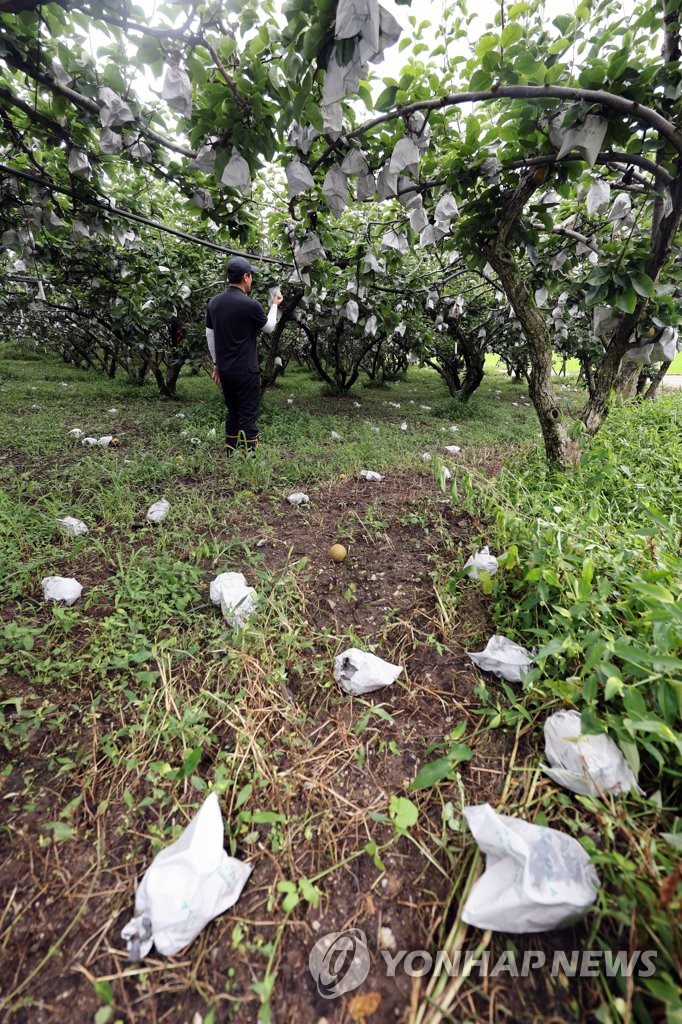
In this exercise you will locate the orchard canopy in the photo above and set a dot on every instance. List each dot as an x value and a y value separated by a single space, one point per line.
514 188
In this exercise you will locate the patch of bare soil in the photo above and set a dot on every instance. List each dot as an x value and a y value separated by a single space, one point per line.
64 903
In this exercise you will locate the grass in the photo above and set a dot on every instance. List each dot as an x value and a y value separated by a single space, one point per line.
121 712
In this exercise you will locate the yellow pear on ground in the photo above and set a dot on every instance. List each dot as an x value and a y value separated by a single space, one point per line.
337 552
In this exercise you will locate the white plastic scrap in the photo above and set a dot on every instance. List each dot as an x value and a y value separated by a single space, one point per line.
503 658
482 561
454 449
104 442
157 512
74 527
535 878
298 498
426 457
403 425
187 884
75 432
359 672
64 589
370 474
89 441
237 600
586 764
177 91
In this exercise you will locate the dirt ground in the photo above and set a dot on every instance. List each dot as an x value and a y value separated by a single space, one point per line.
61 956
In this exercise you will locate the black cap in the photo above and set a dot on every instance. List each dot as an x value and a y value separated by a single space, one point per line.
237 267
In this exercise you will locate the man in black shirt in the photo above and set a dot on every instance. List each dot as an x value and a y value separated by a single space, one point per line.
232 324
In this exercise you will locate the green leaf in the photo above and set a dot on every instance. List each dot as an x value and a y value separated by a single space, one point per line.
190 763
403 812
673 839
266 817
431 773
486 43
511 33
309 892
386 99
372 850
61 831
626 301
643 285
244 794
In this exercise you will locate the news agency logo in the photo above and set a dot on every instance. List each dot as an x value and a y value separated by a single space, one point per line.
339 962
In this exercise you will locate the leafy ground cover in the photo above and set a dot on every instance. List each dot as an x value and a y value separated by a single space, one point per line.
121 711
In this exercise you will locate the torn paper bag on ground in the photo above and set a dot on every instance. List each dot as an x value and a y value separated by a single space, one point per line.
482 561
359 672
157 512
187 884
74 527
503 658
535 878
64 589
237 600
586 764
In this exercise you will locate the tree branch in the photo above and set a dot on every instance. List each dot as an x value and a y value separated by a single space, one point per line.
620 104
607 157
85 103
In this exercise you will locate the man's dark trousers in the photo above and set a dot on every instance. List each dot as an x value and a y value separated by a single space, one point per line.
242 398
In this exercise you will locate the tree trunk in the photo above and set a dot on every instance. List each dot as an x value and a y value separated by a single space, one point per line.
558 448
287 308
447 369
655 386
608 378
473 354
